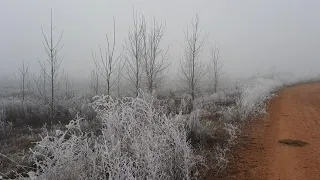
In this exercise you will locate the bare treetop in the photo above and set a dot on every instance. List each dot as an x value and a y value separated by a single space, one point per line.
107 64
134 46
217 66
191 66
155 58
24 82
54 61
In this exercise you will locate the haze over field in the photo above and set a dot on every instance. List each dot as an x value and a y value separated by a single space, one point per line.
144 89
253 36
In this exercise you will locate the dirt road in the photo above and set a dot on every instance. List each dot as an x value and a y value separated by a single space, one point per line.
294 114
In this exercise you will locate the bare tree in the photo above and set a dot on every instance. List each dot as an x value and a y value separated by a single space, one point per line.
120 75
41 83
94 82
106 65
217 66
24 82
192 69
68 87
155 58
134 56
54 62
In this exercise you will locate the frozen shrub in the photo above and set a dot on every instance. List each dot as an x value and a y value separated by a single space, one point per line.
200 129
255 94
137 141
172 104
171 107
196 129
79 105
235 113
186 105
232 130
221 159
229 110
5 127
30 112
250 100
33 112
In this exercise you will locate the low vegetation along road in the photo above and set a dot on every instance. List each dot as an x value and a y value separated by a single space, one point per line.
286 144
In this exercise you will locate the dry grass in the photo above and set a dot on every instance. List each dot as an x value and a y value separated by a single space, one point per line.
292 142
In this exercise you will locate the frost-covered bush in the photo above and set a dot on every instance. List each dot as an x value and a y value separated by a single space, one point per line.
137 141
30 112
208 120
255 94
186 104
79 105
252 100
221 157
5 127
232 130
201 128
219 117
197 131
34 112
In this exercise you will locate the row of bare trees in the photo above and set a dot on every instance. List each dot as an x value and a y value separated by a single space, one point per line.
143 57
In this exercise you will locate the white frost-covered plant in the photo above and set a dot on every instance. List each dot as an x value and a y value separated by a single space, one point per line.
252 101
234 107
137 141
221 158
5 127
232 131
255 94
186 104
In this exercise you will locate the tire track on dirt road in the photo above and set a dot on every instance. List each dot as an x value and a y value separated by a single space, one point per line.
293 114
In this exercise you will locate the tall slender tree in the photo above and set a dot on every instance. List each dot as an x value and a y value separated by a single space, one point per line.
54 61
94 82
155 58
217 66
107 64
41 85
24 81
191 66
134 56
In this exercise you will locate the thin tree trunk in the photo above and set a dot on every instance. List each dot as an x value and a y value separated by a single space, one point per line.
52 71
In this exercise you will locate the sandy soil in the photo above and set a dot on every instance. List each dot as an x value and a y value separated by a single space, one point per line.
294 114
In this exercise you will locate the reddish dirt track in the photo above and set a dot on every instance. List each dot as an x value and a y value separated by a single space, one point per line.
294 114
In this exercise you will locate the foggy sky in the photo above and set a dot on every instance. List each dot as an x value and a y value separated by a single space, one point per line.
254 35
